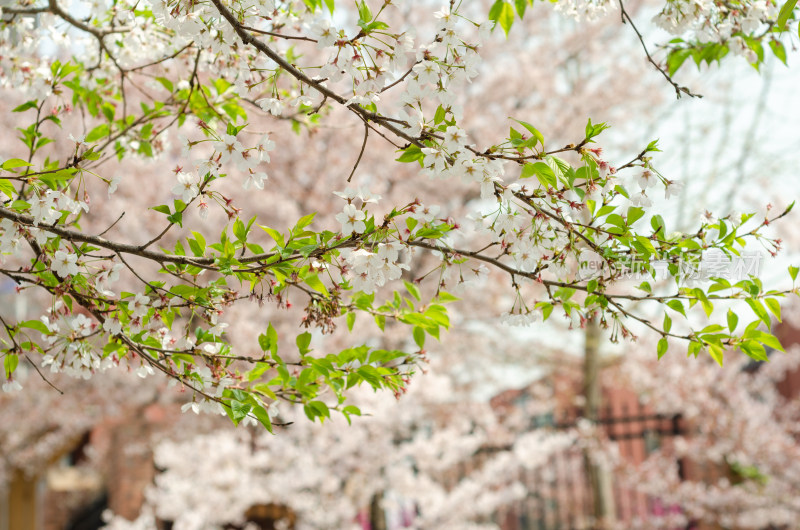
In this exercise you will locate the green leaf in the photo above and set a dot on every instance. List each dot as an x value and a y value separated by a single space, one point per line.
419 336
754 350
765 338
785 13
503 13
774 306
352 409
264 388
304 221
10 362
778 50
733 320
521 5
201 241
98 132
667 323
14 163
494 11
263 417
258 370
239 410
37 325
708 307
239 230
166 83
662 347
413 290
716 352
27 105
677 305
303 341
544 173
793 272
411 154
444 297
313 281
657 222
440 115
761 313
531 129
593 130
269 341
676 58
617 220
274 234
351 320
7 188
634 214
363 11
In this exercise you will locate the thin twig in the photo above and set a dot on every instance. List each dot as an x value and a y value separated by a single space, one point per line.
626 18
278 35
112 224
361 153
54 387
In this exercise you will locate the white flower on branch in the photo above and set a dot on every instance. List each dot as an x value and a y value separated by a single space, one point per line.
646 179
454 139
192 405
520 319
229 147
188 186
361 193
145 370
435 158
264 146
112 325
43 207
323 32
255 180
641 199
113 184
367 196
65 263
352 220
415 94
11 386
672 188
426 214
272 105
80 141
414 118
139 305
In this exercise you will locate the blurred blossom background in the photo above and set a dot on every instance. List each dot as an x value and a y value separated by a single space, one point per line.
550 426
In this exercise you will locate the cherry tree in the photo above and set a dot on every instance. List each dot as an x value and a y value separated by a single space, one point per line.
123 81
219 314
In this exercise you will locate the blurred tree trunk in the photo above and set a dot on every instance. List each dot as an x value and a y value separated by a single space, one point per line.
22 502
377 517
599 478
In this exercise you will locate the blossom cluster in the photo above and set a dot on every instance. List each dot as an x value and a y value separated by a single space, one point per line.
209 78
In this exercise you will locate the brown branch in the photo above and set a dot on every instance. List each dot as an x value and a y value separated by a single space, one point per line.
361 153
278 35
54 387
626 18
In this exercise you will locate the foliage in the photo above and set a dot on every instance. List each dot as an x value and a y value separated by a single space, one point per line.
130 76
